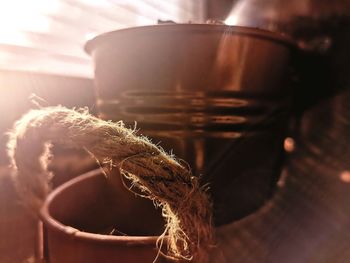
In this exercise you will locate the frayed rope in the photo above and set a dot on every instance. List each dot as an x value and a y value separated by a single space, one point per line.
185 205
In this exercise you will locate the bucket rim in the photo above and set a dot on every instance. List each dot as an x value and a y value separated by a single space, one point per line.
255 32
52 224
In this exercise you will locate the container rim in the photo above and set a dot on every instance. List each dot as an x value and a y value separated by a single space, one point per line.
284 39
53 224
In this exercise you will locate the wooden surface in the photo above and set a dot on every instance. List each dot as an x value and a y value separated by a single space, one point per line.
308 219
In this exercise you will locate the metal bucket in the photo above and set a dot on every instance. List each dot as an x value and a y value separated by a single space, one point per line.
79 215
217 96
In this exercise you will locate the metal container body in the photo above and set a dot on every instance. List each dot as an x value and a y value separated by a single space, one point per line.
75 212
217 96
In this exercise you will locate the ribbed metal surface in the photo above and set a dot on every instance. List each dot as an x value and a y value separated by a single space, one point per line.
207 93
204 113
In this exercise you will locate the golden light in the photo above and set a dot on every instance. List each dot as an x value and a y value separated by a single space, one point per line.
232 20
345 176
48 36
234 16
90 35
17 16
289 145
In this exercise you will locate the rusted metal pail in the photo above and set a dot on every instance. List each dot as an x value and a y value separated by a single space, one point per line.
218 96
80 216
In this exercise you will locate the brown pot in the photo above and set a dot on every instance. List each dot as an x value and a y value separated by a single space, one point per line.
217 95
78 210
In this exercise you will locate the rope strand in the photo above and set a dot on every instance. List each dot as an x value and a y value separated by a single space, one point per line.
185 204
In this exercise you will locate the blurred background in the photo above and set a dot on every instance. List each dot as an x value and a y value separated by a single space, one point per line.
41 53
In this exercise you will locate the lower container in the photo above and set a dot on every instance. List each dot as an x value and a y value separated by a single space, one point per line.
91 219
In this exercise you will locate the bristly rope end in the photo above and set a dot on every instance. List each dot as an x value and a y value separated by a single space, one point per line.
186 205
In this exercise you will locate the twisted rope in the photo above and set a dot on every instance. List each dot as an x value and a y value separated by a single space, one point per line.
185 204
